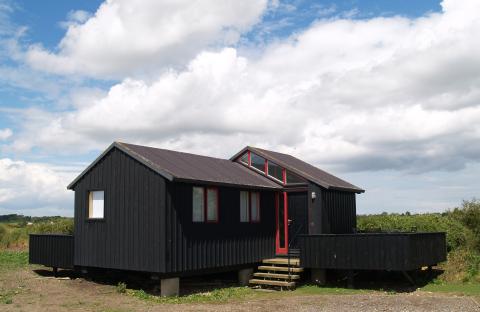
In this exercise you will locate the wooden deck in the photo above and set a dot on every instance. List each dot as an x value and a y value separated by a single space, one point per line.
372 251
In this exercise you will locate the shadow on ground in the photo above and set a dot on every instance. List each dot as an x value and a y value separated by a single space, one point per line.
384 280
148 282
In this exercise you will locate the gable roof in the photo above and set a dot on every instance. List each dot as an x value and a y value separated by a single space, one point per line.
303 169
186 167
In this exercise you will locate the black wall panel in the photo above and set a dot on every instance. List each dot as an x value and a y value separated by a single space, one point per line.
378 251
51 250
129 237
192 246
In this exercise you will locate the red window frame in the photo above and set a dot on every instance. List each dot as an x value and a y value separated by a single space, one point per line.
249 208
205 204
265 168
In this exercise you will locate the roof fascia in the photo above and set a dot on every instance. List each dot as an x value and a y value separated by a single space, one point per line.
127 151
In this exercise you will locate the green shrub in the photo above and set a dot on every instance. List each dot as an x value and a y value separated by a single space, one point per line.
469 215
57 226
121 287
457 234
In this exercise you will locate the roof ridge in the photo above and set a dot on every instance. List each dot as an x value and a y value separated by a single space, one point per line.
174 151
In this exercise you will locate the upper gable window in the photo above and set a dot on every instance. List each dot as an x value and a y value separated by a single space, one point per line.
275 171
293 178
257 162
96 204
244 158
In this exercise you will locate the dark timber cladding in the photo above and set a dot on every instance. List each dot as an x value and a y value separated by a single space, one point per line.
375 251
196 246
332 211
147 224
131 235
51 250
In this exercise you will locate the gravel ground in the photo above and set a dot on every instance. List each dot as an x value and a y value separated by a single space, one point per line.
33 292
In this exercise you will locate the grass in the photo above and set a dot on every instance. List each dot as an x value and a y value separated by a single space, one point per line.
13 259
216 295
470 289
241 293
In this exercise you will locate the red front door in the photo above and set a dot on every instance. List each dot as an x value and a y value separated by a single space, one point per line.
282 223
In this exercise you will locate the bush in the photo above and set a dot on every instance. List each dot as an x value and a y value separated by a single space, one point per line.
121 288
458 235
469 215
57 226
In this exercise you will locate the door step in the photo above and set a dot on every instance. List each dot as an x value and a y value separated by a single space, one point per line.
284 261
277 272
280 269
272 283
277 275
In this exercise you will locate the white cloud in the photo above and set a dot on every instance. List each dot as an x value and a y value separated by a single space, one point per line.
383 93
5 134
127 37
34 187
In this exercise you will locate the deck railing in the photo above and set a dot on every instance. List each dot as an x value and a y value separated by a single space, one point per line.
372 251
53 250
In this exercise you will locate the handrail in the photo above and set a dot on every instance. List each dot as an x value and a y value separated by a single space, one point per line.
290 240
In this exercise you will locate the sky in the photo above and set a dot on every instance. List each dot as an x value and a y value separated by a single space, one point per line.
384 94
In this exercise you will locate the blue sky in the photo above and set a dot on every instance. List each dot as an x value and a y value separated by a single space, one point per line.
362 89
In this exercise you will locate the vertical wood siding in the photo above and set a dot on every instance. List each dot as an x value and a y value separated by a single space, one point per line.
51 250
331 212
379 251
194 246
130 235
339 212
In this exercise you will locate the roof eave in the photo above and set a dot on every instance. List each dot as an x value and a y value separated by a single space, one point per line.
127 151
252 186
298 172
243 150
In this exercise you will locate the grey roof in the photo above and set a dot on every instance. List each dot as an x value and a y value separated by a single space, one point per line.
303 169
179 166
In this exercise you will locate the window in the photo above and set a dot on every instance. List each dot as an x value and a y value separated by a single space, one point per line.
254 207
244 158
212 205
275 171
257 162
293 178
205 204
95 204
198 205
244 206
249 206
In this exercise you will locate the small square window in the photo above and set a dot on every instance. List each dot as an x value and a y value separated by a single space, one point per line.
96 204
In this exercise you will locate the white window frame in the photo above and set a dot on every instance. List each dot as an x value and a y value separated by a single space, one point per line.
96 204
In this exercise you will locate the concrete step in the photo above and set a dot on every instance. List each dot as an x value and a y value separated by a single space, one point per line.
276 275
279 268
283 261
272 283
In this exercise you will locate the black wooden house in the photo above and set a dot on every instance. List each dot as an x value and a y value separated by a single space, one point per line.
176 214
